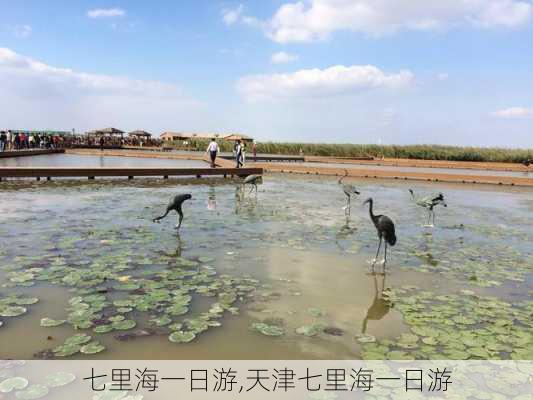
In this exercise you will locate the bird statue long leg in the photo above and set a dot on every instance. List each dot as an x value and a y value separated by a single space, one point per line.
180 218
157 219
377 254
348 207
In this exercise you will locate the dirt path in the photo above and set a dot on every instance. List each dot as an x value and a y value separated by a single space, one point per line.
403 162
392 174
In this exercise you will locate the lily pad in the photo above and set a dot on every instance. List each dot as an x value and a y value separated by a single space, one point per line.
92 348
12 311
15 383
124 325
310 330
49 322
268 330
32 392
66 350
78 339
181 337
58 379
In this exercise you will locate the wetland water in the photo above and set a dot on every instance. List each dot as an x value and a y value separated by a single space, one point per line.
280 275
91 161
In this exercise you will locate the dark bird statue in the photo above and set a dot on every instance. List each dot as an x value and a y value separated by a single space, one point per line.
175 204
349 190
429 203
252 180
385 228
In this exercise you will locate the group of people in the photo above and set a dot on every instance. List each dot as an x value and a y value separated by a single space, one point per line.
239 152
11 141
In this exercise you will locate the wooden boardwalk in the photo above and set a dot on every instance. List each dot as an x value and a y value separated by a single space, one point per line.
26 153
267 158
394 174
406 162
92 173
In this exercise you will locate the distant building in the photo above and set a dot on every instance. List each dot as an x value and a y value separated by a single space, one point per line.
140 134
238 136
186 136
106 132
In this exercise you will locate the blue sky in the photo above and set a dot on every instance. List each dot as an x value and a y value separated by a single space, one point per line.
361 71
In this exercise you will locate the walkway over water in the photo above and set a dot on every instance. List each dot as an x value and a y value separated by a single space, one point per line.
33 152
91 173
397 174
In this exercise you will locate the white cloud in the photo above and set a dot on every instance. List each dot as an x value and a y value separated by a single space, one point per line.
320 83
231 16
443 76
106 12
40 95
309 20
283 58
21 31
514 112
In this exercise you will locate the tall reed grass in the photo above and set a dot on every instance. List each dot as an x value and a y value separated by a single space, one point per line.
425 152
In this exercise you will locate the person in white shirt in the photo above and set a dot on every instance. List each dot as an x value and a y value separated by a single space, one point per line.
212 149
238 154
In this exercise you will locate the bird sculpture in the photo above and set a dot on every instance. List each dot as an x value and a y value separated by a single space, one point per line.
385 229
429 203
252 180
175 204
349 190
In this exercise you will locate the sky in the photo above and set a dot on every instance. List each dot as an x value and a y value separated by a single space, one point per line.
456 72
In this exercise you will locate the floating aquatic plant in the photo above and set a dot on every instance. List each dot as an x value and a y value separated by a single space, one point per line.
15 383
268 330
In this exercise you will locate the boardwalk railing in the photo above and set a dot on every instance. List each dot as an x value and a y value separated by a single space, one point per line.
91 173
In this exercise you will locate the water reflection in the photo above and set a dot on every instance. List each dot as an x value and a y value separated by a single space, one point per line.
344 233
212 199
381 304
244 204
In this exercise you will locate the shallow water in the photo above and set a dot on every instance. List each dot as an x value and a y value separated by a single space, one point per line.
287 258
90 161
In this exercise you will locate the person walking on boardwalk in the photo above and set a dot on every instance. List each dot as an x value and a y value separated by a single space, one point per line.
212 149
101 143
254 151
3 141
238 154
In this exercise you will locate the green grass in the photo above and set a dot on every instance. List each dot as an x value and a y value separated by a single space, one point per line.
425 152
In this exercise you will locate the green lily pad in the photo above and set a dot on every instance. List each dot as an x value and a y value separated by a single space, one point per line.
124 325
268 330
78 339
364 338
58 379
32 392
92 348
310 330
103 329
66 350
49 322
15 383
12 311
181 337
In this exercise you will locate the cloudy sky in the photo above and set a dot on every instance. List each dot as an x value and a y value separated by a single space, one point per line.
361 71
